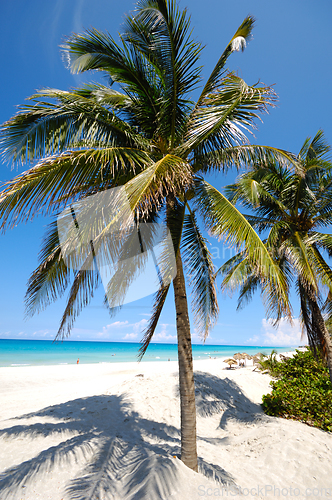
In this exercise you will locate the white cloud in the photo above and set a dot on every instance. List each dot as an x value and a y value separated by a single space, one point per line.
284 334
43 333
163 335
108 330
38 334
130 336
4 334
139 325
116 324
137 328
255 338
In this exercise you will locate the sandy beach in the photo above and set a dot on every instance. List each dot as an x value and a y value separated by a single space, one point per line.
111 431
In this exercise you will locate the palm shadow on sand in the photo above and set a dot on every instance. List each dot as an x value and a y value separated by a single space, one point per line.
123 454
224 396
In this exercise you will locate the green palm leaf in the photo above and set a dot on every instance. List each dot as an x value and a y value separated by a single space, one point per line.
238 41
221 120
302 259
225 220
174 220
162 33
51 278
65 178
170 174
198 262
245 155
159 301
73 121
82 291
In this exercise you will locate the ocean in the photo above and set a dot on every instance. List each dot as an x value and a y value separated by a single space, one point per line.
46 352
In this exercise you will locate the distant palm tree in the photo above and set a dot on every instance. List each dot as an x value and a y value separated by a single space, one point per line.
291 206
269 362
148 136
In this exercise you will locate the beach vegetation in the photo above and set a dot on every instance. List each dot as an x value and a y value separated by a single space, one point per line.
141 130
302 391
269 362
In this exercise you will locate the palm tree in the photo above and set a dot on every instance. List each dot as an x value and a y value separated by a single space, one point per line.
147 136
291 207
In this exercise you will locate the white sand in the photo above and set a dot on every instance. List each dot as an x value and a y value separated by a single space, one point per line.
102 432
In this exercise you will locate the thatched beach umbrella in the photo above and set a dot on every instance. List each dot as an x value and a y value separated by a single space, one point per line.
245 356
238 356
230 362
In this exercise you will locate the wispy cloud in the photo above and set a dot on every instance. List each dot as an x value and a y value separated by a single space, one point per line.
43 334
254 338
5 335
131 336
284 334
28 335
139 325
137 329
164 335
109 330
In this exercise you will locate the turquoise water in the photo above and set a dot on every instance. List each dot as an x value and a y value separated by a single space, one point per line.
45 352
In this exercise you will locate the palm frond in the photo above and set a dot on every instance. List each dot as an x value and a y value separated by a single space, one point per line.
170 174
124 64
237 42
302 258
321 240
162 33
233 272
224 220
221 121
198 262
247 290
245 155
46 128
51 278
159 301
238 272
65 178
316 148
322 269
98 252
82 291
175 213
105 96
127 262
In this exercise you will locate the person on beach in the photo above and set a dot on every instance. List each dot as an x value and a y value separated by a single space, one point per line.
78 360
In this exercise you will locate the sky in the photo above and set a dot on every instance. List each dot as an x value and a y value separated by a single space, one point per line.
290 49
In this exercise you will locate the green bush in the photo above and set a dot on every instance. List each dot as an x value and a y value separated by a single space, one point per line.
303 391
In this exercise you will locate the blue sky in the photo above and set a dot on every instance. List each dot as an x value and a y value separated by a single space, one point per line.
291 48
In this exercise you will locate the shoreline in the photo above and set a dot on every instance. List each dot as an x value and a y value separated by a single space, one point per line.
116 358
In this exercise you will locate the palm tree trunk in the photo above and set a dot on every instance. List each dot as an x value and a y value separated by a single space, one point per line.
186 372
327 342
